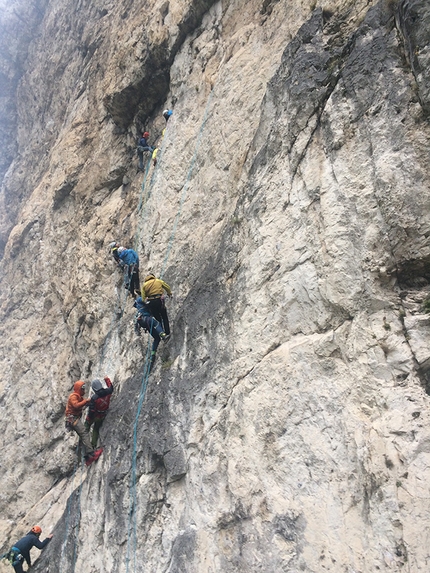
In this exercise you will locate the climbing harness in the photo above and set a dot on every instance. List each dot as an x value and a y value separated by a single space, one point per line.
14 556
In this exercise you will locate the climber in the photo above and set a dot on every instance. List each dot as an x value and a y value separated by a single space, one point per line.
75 404
145 320
98 407
152 290
143 146
167 113
154 156
21 549
114 246
128 260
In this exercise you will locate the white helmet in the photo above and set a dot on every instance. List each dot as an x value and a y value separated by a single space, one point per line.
113 245
96 385
121 249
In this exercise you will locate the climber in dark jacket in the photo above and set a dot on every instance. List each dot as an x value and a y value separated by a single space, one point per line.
21 549
143 146
145 320
128 260
98 407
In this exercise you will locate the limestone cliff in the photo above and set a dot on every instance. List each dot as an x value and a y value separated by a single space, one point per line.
285 426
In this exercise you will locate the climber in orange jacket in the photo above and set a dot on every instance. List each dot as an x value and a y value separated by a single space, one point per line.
152 291
75 405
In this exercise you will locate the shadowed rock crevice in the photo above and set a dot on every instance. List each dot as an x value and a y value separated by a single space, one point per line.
414 273
413 19
142 96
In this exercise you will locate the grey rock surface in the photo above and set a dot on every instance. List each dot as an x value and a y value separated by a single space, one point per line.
285 426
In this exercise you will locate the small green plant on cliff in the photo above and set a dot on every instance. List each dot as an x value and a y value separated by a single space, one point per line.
166 364
426 305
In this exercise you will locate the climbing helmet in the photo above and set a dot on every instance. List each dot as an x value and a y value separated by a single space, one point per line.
36 529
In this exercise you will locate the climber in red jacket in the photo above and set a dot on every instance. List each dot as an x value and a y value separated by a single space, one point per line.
98 407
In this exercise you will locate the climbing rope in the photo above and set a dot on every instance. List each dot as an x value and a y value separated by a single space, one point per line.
186 185
69 513
113 327
132 522
145 194
76 536
143 200
132 517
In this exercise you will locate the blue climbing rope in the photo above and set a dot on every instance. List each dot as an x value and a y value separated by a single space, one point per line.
68 511
114 325
186 185
144 196
132 523
132 517
76 537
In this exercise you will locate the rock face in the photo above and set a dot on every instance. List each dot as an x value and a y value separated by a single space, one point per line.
285 426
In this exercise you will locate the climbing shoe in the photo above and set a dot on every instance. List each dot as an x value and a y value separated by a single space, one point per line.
93 457
164 337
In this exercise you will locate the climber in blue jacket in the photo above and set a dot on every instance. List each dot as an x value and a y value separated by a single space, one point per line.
128 260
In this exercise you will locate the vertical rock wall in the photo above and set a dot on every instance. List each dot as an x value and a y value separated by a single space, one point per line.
284 427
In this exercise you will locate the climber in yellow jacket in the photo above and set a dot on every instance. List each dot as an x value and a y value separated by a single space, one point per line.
152 291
